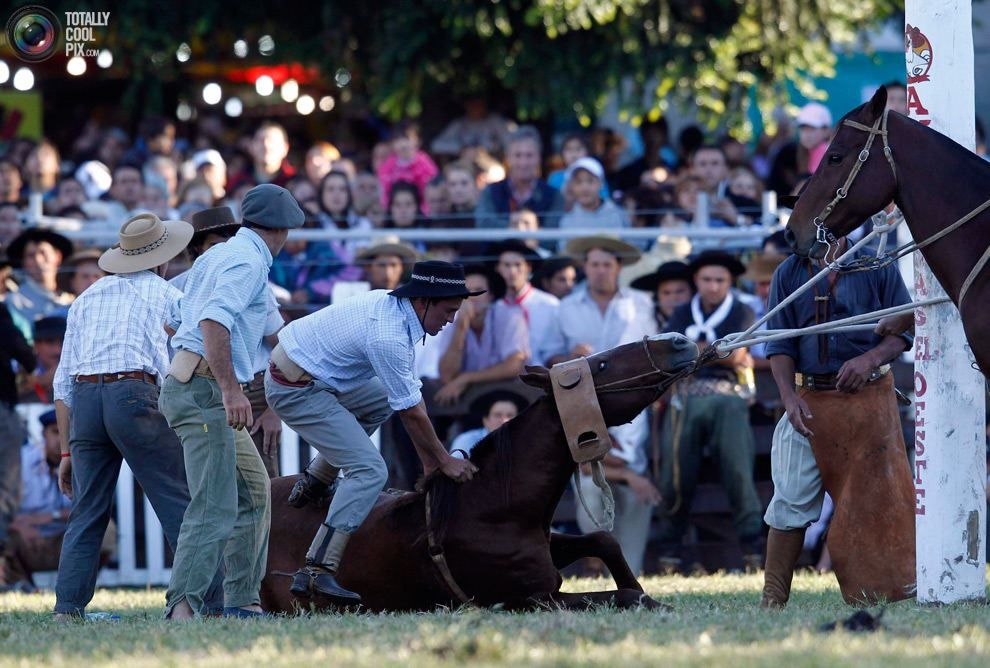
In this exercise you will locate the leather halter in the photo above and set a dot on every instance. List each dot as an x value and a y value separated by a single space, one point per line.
823 234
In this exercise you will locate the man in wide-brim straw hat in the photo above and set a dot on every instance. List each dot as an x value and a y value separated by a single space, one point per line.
114 357
384 263
335 377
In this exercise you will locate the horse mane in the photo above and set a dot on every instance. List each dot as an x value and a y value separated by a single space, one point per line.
442 492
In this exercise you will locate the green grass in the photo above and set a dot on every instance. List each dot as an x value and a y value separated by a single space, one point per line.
715 622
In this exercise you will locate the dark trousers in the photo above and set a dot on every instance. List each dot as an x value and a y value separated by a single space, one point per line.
11 439
110 423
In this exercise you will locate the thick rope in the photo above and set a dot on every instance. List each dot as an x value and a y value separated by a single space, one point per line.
608 501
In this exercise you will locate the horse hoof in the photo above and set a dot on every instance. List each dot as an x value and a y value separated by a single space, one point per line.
653 604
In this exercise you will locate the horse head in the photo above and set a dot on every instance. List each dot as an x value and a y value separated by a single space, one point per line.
631 376
854 181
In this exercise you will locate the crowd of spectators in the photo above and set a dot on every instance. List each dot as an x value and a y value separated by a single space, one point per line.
481 172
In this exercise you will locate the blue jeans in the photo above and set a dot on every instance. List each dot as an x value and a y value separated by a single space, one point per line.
109 423
229 515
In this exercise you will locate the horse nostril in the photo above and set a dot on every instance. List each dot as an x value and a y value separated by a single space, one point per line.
789 236
681 342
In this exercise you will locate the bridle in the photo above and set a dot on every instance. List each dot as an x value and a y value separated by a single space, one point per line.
667 378
823 235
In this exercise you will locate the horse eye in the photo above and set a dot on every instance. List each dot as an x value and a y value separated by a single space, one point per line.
834 159
602 365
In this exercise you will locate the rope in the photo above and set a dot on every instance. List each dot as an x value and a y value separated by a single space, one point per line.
852 323
608 501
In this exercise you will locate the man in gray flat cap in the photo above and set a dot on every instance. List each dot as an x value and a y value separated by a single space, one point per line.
219 327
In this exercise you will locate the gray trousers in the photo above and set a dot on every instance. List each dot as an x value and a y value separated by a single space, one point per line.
229 514
110 423
11 439
339 426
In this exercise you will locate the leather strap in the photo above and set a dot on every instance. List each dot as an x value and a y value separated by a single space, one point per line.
436 554
290 370
580 414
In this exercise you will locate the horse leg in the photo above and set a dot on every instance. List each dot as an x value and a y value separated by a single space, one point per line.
622 599
565 549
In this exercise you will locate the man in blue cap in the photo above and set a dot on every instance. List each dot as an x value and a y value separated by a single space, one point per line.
221 322
336 376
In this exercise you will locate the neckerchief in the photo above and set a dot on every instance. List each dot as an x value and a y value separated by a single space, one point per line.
706 328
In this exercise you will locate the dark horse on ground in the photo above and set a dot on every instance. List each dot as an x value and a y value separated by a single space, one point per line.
495 529
932 179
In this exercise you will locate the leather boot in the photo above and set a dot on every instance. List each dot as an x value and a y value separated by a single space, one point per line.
318 577
783 550
313 486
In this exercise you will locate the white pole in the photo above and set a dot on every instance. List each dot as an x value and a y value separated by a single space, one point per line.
950 474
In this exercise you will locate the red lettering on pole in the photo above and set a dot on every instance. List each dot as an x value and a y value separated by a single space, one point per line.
919 507
914 105
919 442
919 464
919 314
920 384
921 351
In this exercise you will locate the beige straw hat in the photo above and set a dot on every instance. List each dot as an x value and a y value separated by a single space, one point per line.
146 241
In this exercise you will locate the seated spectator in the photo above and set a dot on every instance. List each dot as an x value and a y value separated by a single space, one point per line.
495 408
403 211
407 162
36 255
743 182
49 332
336 211
573 148
126 195
584 181
557 276
462 191
522 187
515 262
320 159
477 127
12 187
485 343
598 316
524 221
37 530
162 170
726 209
670 286
156 199
41 170
212 169
307 270
708 410
685 200
759 271
384 264
366 191
69 192
10 223
814 122
80 271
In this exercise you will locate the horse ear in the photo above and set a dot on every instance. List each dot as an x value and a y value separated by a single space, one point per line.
790 201
878 103
537 376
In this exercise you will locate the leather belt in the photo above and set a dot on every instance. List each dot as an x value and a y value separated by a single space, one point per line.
203 369
120 375
826 382
258 382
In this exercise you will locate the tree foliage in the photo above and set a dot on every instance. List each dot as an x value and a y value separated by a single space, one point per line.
561 57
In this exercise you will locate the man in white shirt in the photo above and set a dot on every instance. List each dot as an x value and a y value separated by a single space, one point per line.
597 316
106 386
516 262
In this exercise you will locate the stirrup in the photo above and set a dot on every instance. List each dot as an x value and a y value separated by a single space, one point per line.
307 490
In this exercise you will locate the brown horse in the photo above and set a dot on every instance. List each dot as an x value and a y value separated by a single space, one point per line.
494 530
933 180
